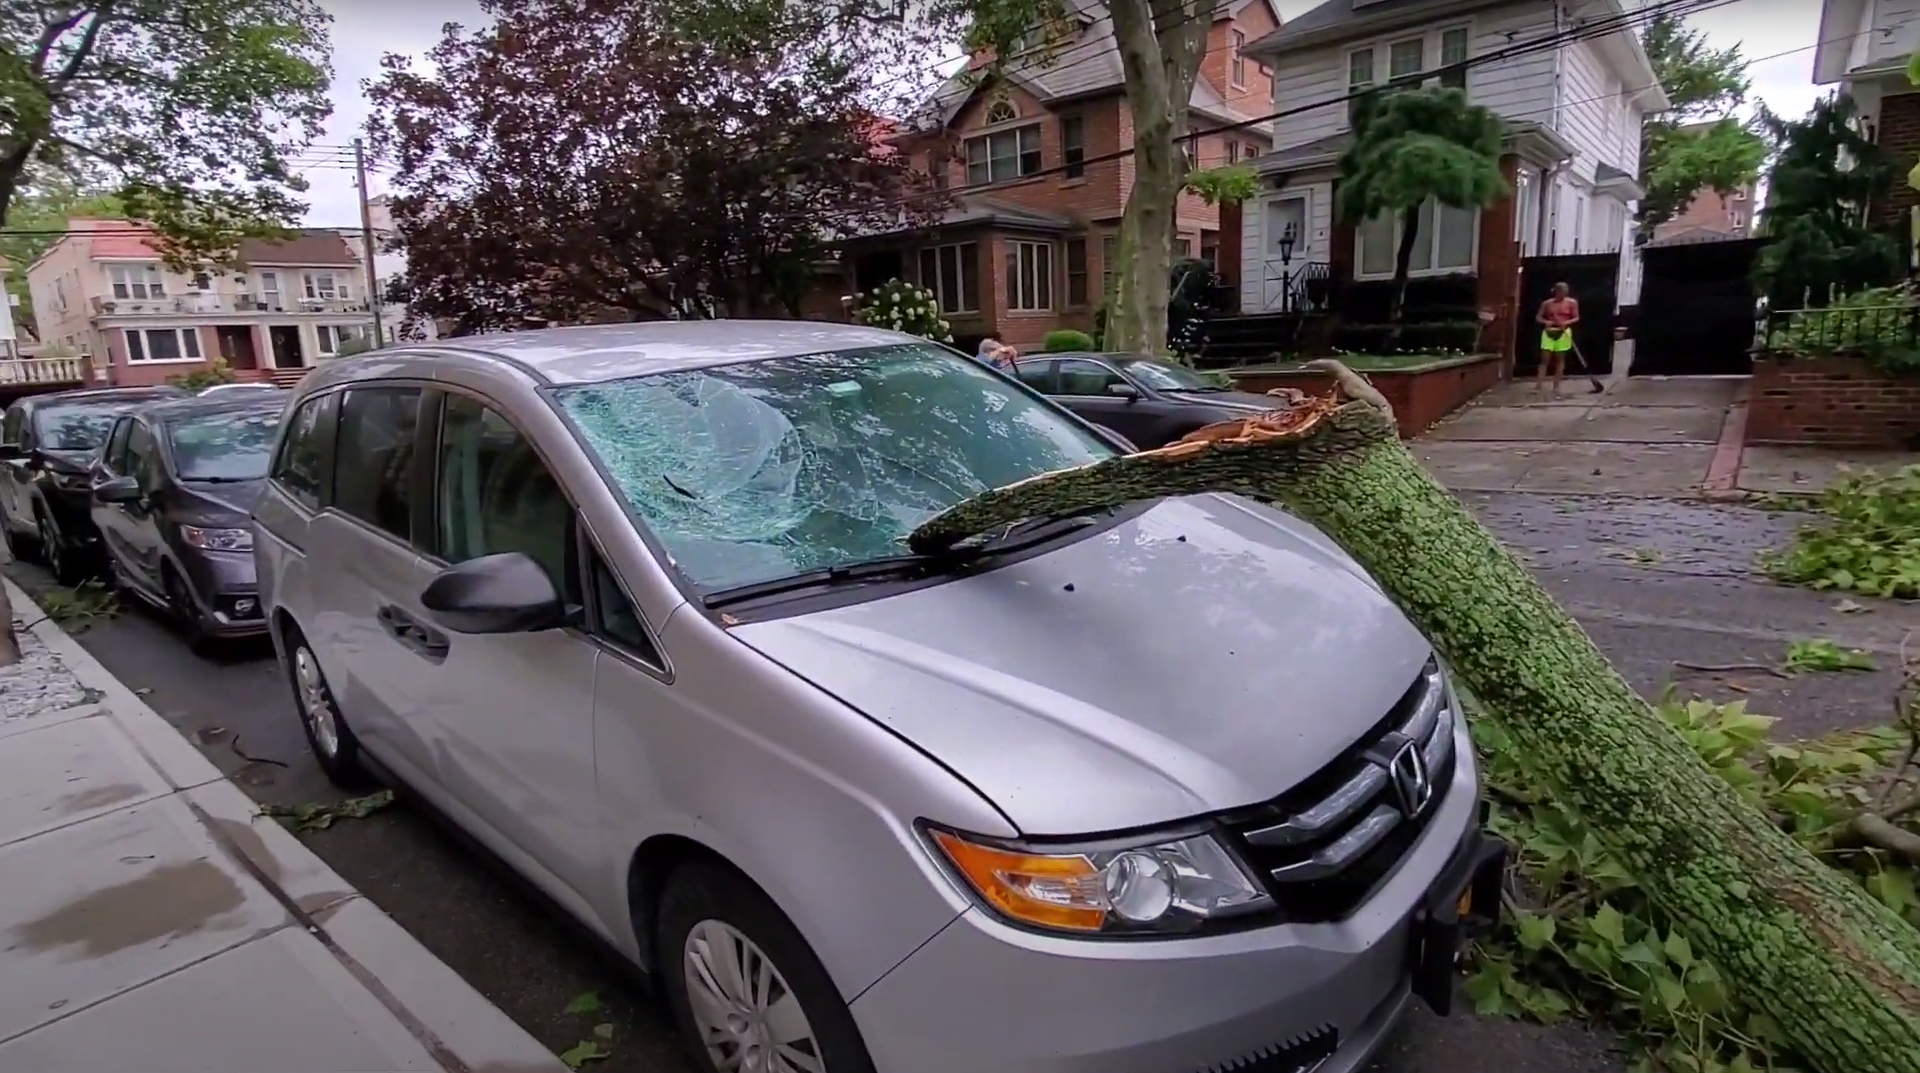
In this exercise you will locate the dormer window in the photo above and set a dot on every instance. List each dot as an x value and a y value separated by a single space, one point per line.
1239 69
1001 112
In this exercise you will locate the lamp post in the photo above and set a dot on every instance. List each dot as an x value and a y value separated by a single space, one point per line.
1287 238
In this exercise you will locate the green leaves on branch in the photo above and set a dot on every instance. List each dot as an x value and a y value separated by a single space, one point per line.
190 109
1415 145
1868 542
1824 177
1694 145
1229 184
1584 942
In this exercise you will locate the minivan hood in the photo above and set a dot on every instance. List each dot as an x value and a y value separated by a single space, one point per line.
1209 653
218 503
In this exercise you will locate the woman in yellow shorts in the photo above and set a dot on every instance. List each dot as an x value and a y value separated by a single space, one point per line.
1557 317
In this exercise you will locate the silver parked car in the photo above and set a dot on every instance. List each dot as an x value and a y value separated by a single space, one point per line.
1173 787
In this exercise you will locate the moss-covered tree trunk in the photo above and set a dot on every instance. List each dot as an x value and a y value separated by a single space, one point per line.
1801 943
1161 43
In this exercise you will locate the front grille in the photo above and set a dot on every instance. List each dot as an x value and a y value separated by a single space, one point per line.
1324 846
1293 1056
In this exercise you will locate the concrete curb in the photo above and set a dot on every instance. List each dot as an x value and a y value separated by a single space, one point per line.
1723 471
456 1024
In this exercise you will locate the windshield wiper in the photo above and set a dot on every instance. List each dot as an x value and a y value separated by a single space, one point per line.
1017 537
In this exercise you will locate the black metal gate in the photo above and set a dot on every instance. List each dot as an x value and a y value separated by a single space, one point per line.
1697 309
1593 279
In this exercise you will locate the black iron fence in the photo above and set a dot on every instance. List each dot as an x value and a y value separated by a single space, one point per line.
1883 333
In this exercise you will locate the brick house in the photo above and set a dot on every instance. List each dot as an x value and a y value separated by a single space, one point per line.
103 291
1573 114
1711 216
1863 50
1030 255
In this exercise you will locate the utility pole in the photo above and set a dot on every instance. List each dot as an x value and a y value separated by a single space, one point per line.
366 241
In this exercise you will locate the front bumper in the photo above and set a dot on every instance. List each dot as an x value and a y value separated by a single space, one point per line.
982 995
224 586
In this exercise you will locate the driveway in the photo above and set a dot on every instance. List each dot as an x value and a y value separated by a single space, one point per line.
1644 436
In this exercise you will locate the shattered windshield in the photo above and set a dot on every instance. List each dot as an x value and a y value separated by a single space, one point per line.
74 428
767 469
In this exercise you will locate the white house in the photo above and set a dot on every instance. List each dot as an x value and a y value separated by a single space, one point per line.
1863 51
1574 113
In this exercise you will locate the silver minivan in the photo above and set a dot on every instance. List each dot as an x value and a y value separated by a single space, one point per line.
1167 788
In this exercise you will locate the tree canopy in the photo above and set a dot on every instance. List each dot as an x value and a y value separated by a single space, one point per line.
40 212
1696 144
1412 146
1823 180
189 110
570 161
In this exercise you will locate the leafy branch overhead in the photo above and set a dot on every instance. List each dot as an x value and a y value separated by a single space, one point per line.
189 110
1695 144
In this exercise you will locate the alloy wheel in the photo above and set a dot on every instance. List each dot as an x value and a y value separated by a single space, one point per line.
749 1019
316 704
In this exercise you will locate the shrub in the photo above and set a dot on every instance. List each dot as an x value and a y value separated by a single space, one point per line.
1065 340
1880 324
903 307
216 372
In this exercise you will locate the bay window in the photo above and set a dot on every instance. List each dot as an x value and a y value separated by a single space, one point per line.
326 287
1444 241
952 273
1029 276
332 337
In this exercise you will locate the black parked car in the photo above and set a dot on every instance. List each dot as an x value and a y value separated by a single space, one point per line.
47 444
171 497
1147 400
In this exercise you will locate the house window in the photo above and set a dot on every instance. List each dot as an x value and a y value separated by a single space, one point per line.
59 295
1210 249
1109 256
202 282
1407 57
325 287
1183 249
137 281
1444 241
270 289
1359 77
1076 272
1239 58
952 273
1453 49
332 337
1073 146
1233 151
1029 277
163 345
1009 154
1001 112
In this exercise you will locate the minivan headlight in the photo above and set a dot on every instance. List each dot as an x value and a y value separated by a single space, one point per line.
217 539
1155 886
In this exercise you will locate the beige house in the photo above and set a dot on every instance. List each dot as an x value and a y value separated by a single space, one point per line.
103 291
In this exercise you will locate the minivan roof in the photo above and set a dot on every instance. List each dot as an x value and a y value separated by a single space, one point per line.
601 352
205 405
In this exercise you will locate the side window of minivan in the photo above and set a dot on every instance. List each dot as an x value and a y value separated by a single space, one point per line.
373 457
615 617
10 428
297 468
494 494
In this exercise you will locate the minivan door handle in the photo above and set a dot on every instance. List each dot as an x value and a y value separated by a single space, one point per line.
425 641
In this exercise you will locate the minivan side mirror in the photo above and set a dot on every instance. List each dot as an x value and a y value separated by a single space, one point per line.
117 490
503 593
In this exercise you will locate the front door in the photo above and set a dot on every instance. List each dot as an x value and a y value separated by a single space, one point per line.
511 715
1284 250
285 340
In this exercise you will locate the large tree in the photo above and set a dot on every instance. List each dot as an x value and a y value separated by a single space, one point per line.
1411 148
39 214
1696 144
574 159
190 110
1824 179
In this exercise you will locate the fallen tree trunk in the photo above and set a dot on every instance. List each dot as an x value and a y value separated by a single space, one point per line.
1838 971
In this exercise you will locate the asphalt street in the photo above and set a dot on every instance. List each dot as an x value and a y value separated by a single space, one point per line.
1653 582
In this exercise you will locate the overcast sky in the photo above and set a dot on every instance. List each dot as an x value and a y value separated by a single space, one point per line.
1777 35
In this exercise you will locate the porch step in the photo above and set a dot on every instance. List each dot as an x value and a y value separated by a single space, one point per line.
287 378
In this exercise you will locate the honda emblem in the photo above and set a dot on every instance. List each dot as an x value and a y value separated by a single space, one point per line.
1412 782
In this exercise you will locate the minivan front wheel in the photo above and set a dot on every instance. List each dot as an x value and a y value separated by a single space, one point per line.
334 747
746 990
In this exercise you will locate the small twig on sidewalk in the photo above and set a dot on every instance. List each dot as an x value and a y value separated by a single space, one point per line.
234 744
1728 668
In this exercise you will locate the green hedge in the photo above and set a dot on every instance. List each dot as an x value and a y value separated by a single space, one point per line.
1064 340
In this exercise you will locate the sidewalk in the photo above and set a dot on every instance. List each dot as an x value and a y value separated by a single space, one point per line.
151 923
1647 436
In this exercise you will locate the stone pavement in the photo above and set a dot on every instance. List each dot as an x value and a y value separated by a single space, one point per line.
1809 469
1648 436
151 922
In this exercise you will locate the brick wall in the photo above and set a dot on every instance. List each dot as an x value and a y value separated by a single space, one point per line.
1499 268
1899 136
1831 402
1419 398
